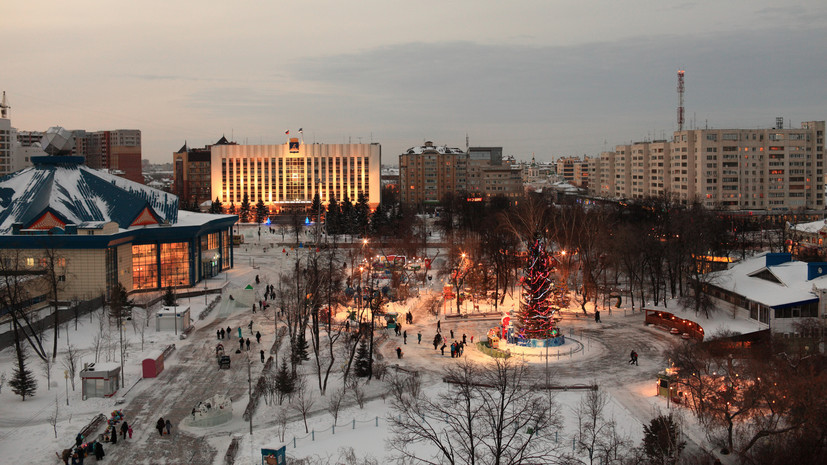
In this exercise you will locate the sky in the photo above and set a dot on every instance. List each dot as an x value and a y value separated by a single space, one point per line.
544 78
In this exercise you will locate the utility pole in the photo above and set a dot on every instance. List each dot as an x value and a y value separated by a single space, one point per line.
250 388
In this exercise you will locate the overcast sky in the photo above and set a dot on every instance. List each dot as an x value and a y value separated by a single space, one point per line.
549 77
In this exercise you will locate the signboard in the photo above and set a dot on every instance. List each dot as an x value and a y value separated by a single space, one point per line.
294 145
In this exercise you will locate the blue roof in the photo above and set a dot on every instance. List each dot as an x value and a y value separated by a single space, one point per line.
77 194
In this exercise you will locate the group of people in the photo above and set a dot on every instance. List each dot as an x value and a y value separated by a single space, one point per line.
162 425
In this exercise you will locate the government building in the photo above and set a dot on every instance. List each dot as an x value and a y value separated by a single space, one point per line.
286 177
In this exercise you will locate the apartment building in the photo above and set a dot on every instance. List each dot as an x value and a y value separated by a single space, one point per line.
733 169
574 171
192 173
286 177
428 172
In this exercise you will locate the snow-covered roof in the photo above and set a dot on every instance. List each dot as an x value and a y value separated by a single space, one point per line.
75 193
761 279
430 147
813 227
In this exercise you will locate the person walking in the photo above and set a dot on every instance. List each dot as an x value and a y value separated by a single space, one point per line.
124 429
159 425
597 316
437 326
99 451
405 337
130 431
248 343
218 334
419 337
168 425
262 356
398 352
241 343
258 337
442 349
228 332
452 334
222 333
633 358
251 325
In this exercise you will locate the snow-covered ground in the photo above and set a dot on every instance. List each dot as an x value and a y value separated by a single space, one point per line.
595 353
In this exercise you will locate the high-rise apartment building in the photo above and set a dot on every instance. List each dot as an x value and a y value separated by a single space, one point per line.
118 151
286 177
734 169
192 173
6 147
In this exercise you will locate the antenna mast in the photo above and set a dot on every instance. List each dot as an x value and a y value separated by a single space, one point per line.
680 100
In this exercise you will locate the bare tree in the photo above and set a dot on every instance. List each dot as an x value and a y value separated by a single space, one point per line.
281 421
334 403
70 361
594 429
53 417
487 417
358 390
304 401
47 364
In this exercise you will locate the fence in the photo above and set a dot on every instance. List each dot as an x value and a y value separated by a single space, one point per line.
64 315
204 313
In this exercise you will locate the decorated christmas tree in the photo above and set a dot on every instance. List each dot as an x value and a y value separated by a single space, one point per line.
541 298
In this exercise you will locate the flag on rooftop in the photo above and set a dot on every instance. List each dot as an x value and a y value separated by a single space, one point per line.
287 132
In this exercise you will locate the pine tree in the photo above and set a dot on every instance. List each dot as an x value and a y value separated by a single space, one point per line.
231 209
316 206
378 221
333 217
261 211
23 382
300 350
346 222
285 383
661 442
540 301
169 297
216 207
119 304
362 367
361 214
244 211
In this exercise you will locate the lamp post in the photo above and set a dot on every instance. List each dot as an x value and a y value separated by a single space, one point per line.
66 378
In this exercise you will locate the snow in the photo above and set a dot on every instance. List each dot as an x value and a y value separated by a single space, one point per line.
595 353
793 287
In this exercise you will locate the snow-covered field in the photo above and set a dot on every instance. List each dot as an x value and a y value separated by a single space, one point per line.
596 353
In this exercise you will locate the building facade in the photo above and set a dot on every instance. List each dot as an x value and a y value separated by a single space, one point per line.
118 150
105 230
427 173
730 169
574 171
192 173
286 177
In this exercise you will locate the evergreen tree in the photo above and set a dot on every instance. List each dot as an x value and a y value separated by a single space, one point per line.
23 382
244 211
540 301
316 206
362 367
333 217
231 209
216 207
661 442
119 304
285 383
169 297
346 222
300 353
261 211
361 214
378 221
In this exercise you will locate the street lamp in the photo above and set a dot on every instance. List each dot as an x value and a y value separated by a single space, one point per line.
66 377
